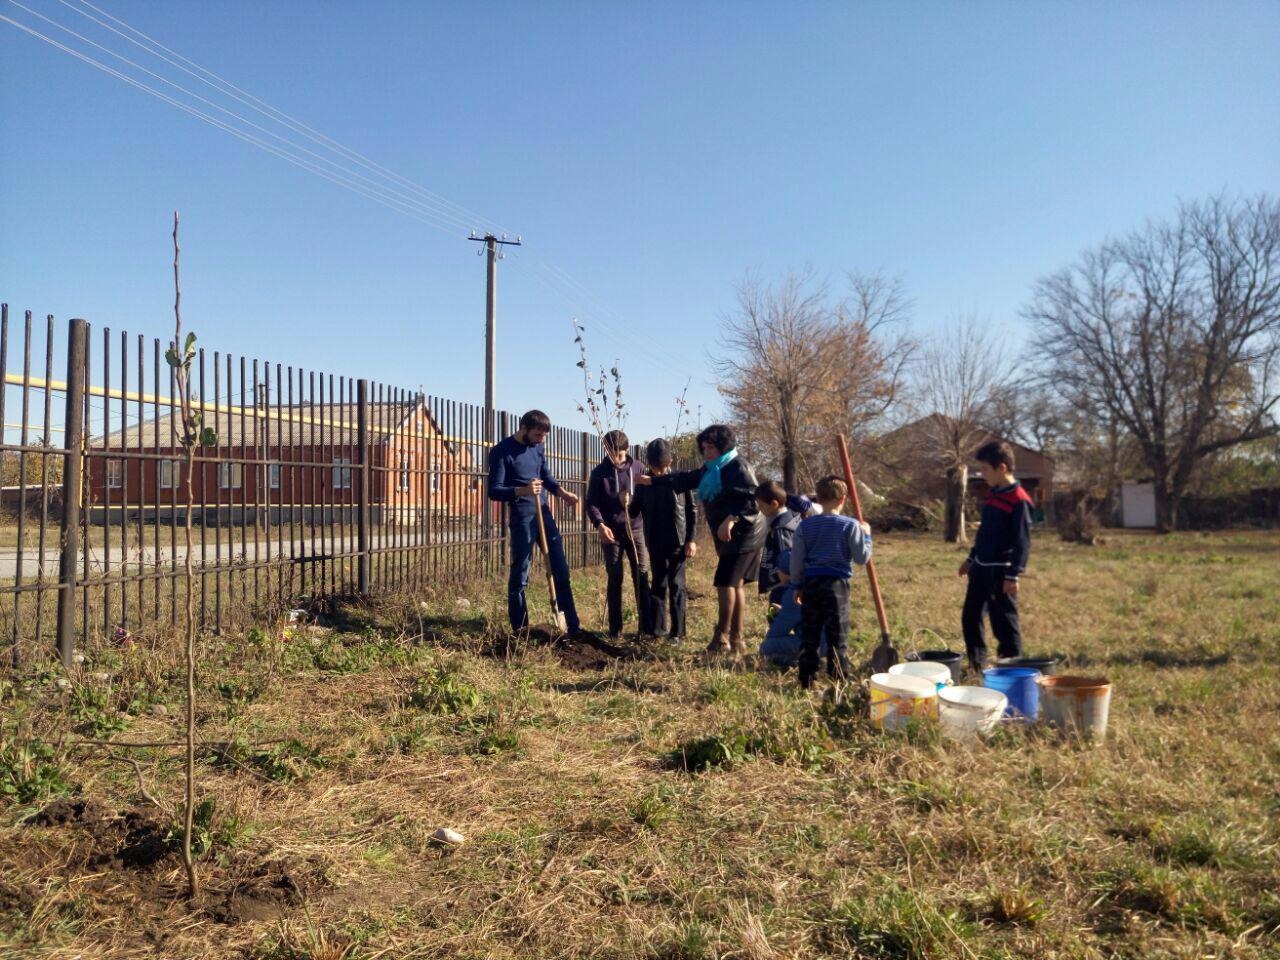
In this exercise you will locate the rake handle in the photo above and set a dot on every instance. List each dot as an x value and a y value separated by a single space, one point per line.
871 564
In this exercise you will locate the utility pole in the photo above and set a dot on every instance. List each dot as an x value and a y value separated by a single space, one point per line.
492 245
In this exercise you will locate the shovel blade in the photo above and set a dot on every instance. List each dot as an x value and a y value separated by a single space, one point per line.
883 657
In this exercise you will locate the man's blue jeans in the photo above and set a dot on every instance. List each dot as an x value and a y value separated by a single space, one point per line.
524 539
782 643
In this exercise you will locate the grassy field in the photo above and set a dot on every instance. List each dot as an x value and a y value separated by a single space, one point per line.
335 753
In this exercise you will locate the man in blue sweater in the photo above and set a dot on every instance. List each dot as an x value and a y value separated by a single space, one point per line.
823 552
519 476
999 554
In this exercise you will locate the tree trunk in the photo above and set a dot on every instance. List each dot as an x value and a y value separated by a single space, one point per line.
790 470
1166 507
953 518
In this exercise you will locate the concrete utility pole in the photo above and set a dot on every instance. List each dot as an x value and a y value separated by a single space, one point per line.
491 247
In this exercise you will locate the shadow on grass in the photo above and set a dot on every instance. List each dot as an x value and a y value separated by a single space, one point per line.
1156 658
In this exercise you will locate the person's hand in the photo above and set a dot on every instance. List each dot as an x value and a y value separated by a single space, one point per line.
799 598
690 550
606 535
964 568
866 528
725 533
1011 588
644 480
783 577
570 498
532 489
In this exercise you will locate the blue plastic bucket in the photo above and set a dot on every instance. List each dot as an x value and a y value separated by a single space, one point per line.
1019 685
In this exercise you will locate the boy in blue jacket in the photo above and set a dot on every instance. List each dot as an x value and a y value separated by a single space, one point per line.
999 554
823 553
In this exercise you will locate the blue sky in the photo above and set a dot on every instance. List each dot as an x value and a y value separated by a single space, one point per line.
653 152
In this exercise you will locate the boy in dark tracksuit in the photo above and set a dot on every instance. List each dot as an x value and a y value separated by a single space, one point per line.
823 553
999 554
609 493
670 520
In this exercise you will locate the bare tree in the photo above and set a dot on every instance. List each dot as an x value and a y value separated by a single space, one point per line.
797 365
1174 332
960 380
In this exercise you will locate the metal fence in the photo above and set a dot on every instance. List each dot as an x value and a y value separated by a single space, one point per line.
319 485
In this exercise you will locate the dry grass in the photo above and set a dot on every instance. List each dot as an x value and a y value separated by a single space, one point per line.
341 751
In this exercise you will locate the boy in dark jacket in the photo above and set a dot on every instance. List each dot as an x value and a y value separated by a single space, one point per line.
669 528
609 493
781 645
823 553
999 554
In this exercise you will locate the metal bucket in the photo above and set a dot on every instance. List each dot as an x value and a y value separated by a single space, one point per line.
1077 706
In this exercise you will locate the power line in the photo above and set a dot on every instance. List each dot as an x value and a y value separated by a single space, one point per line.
556 279
374 185
227 88
396 205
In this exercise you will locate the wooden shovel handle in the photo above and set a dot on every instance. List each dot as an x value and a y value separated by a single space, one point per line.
857 512
542 542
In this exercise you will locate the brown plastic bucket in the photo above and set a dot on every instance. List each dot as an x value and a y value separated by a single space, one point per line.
1077 706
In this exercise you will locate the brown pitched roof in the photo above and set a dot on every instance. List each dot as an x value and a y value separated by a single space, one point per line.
316 423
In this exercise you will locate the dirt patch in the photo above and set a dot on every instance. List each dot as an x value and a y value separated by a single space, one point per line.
145 844
136 863
129 840
66 811
268 893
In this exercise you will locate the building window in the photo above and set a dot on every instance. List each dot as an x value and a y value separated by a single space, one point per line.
230 475
273 476
404 471
115 474
341 473
435 478
170 471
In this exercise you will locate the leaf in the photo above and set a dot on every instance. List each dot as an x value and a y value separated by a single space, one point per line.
208 437
171 357
189 347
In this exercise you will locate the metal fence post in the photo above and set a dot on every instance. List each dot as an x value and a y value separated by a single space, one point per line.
362 520
77 347
585 476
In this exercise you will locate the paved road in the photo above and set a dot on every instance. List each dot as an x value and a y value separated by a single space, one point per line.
231 550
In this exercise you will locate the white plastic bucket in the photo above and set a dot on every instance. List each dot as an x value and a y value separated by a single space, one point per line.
896 698
939 673
965 712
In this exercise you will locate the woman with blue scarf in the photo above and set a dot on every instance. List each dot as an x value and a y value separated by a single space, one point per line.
726 485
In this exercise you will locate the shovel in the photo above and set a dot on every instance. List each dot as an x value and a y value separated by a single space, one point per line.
557 614
883 656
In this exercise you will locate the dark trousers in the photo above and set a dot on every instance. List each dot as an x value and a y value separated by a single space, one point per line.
667 594
986 594
524 538
638 558
824 607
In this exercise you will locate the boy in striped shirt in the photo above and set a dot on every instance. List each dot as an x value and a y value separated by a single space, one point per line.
823 553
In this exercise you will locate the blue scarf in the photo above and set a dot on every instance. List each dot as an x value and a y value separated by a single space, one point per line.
709 487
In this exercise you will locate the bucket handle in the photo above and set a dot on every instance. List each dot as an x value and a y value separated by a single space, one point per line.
915 647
